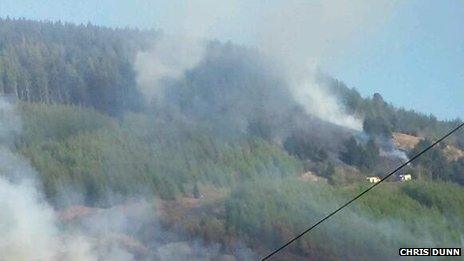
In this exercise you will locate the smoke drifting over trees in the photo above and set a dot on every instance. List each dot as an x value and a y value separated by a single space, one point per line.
31 228
140 145
297 37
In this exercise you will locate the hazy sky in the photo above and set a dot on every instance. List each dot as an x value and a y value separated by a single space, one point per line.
413 55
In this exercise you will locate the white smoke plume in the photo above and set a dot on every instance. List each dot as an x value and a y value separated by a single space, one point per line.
307 36
316 100
183 46
168 58
31 229
295 33
395 153
388 149
28 224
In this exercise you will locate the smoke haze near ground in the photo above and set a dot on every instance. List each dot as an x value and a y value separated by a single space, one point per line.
29 225
31 229
209 88
28 228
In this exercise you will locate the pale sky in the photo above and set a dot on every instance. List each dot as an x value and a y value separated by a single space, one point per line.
413 55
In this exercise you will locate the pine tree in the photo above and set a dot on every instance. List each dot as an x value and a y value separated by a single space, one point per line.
196 191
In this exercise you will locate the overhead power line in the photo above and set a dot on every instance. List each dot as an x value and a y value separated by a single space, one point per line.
362 193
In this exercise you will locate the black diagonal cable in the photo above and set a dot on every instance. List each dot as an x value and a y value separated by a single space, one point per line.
362 193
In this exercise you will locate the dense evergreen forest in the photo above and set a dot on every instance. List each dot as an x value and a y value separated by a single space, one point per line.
87 131
52 62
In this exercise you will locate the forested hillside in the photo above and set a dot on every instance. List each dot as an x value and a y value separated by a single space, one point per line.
81 149
382 118
52 62
227 155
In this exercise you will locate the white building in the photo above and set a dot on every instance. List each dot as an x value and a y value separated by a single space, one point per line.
405 177
373 179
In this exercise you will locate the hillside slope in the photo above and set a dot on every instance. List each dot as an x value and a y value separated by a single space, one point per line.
227 164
